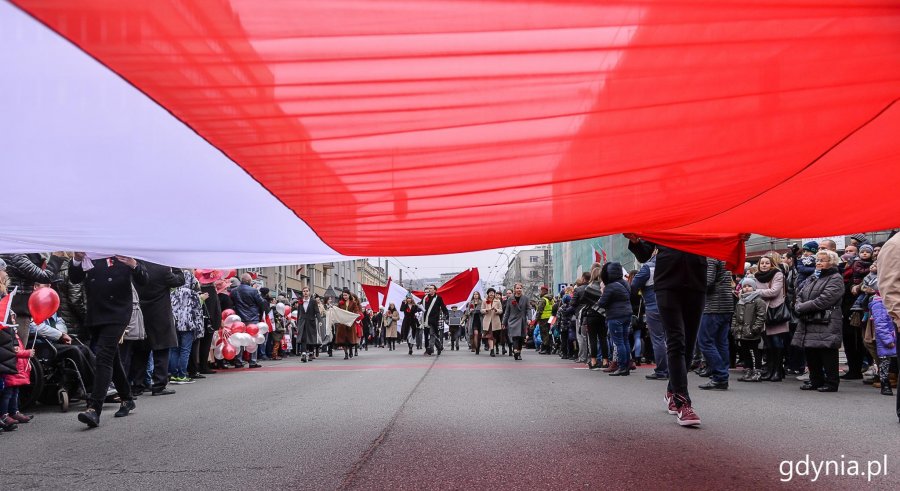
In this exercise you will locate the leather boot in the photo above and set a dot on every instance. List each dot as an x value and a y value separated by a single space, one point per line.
778 367
770 365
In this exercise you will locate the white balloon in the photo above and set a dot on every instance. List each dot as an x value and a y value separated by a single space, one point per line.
235 340
230 320
218 353
263 327
260 338
279 307
252 348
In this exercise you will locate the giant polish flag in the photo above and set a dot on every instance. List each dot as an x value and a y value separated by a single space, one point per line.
225 133
459 289
381 297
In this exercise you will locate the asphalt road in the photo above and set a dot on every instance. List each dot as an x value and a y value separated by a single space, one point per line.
386 420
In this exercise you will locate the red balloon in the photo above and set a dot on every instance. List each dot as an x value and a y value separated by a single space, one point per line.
226 313
228 352
287 311
238 327
42 304
252 330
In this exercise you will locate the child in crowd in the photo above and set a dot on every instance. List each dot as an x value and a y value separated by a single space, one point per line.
885 344
10 416
806 264
747 326
866 288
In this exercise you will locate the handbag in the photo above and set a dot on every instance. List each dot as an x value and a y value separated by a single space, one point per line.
778 315
817 316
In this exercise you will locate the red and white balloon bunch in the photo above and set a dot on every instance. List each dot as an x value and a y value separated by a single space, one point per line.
235 335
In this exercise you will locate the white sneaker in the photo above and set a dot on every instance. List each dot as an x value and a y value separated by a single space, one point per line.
803 378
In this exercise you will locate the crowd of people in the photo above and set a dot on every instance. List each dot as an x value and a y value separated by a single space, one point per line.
132 327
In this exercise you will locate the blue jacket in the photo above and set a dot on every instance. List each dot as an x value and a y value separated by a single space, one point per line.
885 331
616 298
248 303
643 283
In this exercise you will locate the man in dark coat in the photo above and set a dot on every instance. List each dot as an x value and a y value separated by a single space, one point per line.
249 305
307 319
435 313
156 305
680 284
107 284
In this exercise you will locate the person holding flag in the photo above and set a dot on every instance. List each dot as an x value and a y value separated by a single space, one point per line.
435 313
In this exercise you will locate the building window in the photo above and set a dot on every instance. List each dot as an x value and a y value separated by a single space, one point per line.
532 259
533 274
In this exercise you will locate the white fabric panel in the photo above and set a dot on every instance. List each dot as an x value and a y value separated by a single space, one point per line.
90 163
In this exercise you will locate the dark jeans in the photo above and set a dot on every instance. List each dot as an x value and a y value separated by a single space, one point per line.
596 325
713 341
680 311
108 366
9 400
434 334
546 337
620 330
795 359
823 366
160 367
853 347
658 340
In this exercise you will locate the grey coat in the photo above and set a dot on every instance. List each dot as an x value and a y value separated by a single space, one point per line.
515 317
821 293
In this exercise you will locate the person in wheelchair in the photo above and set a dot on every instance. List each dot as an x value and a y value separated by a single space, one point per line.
54 344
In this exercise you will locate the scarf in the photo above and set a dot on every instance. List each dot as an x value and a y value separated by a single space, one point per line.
765 277
824 272
748 297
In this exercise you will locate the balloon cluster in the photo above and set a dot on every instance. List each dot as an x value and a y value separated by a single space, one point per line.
234 335
285 311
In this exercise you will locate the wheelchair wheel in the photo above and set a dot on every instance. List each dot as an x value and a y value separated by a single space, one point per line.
63 399
30 393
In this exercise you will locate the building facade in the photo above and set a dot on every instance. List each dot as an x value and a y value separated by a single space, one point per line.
572 258
532 267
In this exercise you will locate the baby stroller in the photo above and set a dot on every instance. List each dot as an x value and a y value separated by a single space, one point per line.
54 379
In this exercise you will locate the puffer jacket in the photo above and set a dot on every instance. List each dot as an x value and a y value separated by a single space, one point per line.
749 320
24 271
72 304
820 294
616 298
7 352
23 367
885 330
719 296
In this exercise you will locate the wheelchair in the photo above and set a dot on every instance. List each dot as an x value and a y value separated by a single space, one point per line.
54 379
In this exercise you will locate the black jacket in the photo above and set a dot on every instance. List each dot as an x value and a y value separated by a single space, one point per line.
7 350
308 321
213 307
437 311
108 290
674 269
616 298
409 315
24 271
156 305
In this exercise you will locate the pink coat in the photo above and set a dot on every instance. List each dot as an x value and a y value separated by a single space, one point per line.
23 357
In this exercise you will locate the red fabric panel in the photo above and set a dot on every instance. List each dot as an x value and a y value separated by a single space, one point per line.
457 289
438 126
372 291
726 247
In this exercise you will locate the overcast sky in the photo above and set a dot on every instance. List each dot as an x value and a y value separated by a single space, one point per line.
491 264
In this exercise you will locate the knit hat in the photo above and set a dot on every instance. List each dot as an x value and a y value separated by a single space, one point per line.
861 238
2 265
748 281
867 248
811 246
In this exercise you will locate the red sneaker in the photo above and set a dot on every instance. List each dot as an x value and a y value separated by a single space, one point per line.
686 416
670 403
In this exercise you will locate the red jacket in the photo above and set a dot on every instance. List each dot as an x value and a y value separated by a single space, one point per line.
23 357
